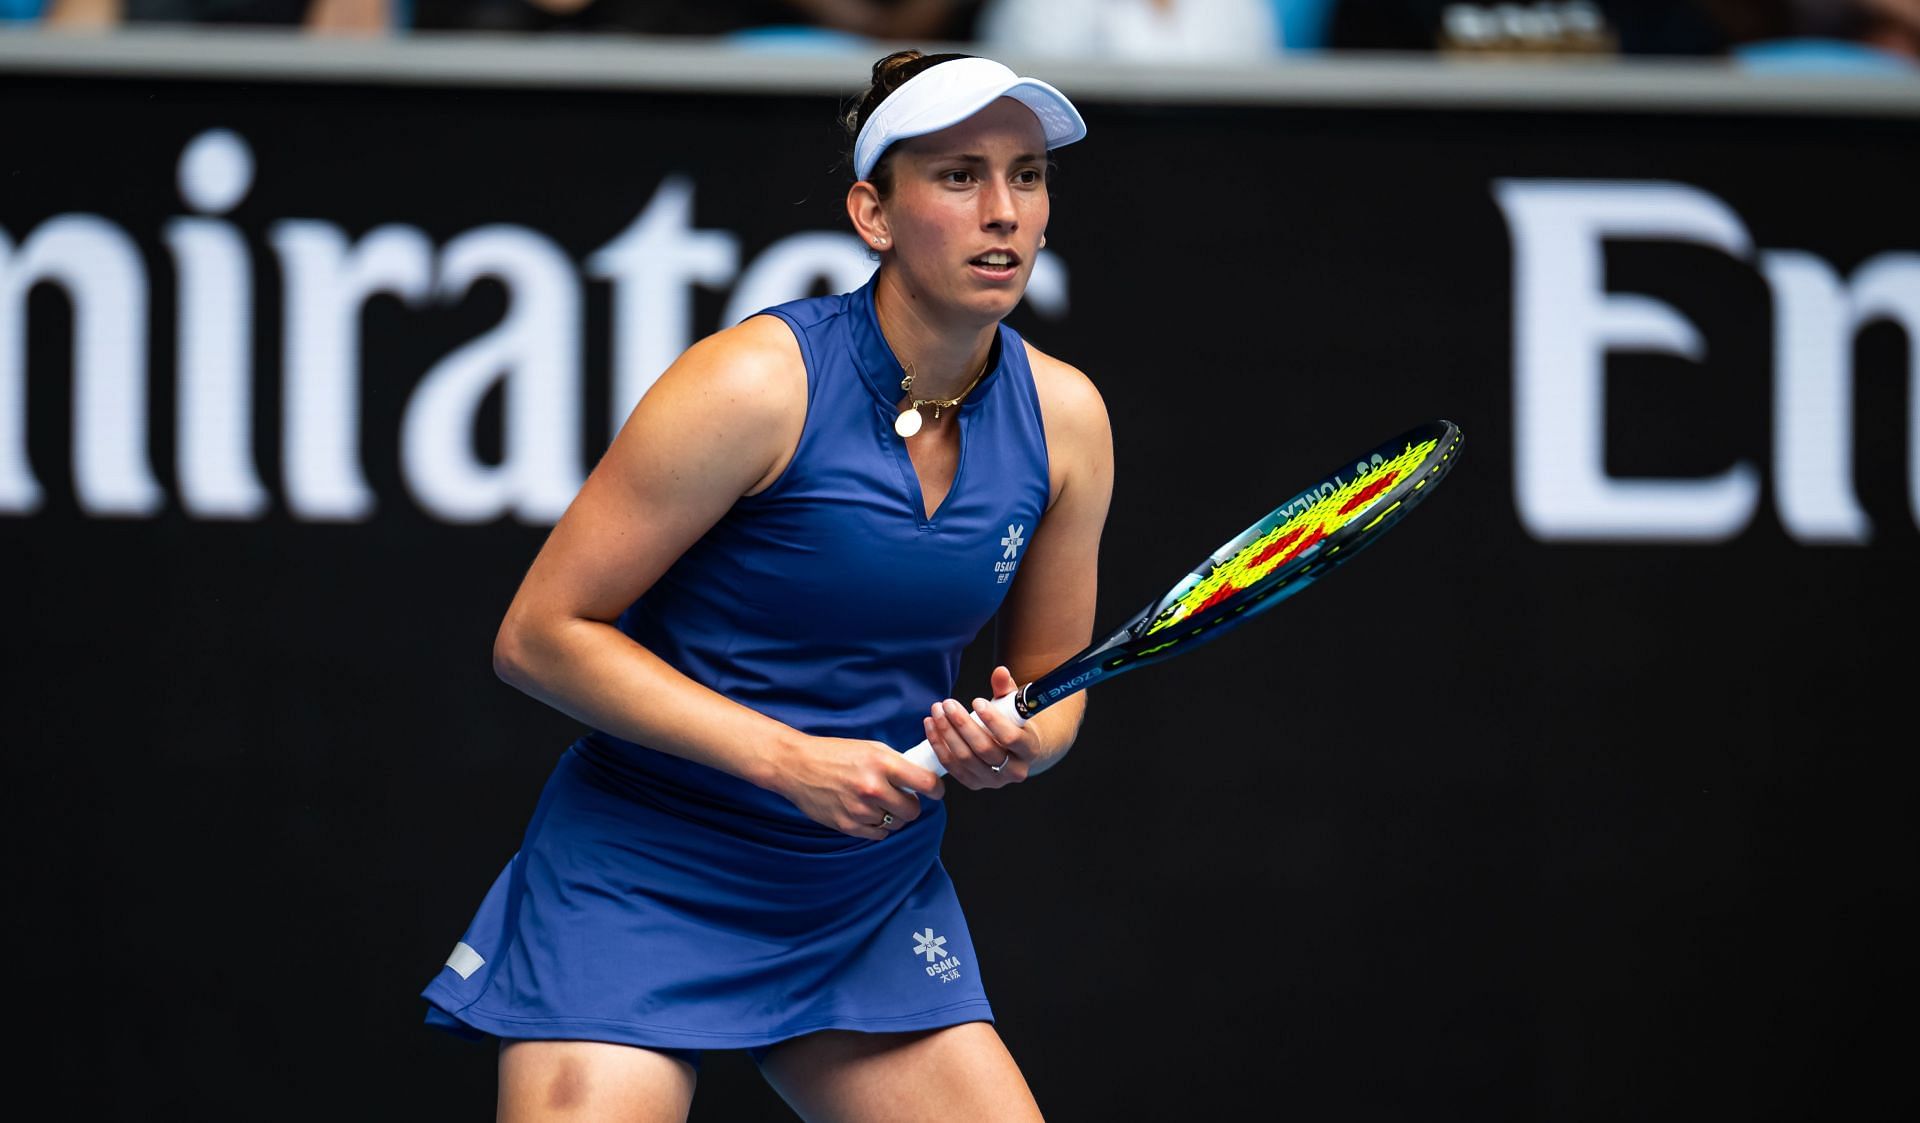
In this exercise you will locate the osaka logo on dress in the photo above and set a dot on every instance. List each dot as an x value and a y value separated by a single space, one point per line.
1010 551
940 964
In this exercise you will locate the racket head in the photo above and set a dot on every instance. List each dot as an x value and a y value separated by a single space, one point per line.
1315 530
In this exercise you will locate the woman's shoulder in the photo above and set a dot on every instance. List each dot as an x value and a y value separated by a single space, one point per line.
739 394
1066 393
757 349
1079 436
754 367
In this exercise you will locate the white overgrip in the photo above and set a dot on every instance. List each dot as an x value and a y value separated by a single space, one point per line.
922 754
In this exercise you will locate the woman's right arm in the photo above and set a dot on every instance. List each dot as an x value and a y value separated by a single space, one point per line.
719 424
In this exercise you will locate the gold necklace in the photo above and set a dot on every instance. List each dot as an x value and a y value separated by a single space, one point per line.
908 422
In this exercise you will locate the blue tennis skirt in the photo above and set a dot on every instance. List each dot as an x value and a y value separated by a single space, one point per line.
646 912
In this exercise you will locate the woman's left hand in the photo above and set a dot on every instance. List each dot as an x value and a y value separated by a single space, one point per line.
989 755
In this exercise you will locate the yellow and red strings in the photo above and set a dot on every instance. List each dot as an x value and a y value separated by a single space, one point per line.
1329 513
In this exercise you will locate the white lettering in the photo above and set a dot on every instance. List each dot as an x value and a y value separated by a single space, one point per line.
651 264
1816 320
328 283
105 283
790 267
1565 323
328 279
212 364
1047 286
215 171
535 354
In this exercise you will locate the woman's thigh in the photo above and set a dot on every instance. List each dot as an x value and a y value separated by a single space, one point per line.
591 1080
960 1072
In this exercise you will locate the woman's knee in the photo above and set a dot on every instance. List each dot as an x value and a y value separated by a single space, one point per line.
561 1080
956 1072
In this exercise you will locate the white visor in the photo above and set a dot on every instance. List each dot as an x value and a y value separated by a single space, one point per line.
948 93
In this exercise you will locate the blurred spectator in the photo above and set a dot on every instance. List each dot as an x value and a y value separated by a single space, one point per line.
1541 27
874 19
1303 23
1143 30
352 17
1836 36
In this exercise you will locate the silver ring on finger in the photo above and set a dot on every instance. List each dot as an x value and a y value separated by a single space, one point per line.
1004 761
886 820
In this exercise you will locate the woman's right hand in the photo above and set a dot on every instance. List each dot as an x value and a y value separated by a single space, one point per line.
853 786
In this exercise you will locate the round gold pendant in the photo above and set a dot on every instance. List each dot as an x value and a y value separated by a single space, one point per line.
907 423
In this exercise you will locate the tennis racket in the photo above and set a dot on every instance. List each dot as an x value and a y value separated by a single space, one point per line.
1291 547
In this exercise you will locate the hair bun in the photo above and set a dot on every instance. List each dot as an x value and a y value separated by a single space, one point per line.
893 62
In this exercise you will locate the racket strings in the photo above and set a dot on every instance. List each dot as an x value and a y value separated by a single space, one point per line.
1336 507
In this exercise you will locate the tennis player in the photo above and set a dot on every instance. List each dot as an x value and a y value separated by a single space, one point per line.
758 597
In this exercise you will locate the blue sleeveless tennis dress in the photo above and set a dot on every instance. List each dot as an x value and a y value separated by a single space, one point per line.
658 902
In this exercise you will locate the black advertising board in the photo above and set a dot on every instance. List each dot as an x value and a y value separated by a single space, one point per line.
1582 796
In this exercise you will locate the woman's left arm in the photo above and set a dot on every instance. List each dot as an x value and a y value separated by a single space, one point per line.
1047 617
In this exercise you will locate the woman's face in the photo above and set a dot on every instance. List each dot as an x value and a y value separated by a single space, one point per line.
969 205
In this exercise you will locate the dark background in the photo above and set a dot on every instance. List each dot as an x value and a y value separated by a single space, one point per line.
1485 828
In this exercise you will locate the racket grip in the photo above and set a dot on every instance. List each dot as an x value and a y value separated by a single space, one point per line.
922 754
